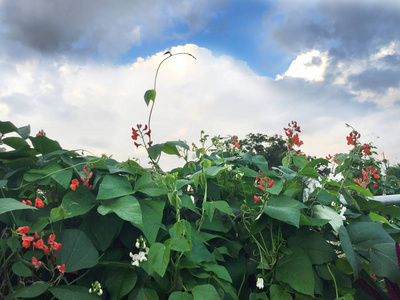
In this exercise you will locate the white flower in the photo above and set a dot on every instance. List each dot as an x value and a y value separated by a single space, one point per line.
131 254
135 263
142 256
260 283
137 244
90 290
342 211
100 292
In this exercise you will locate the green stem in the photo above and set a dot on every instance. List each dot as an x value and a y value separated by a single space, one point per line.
334 281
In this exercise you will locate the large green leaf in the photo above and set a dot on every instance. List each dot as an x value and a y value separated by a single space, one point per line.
296 270
120 281
278 293
180 296
158 259
44 145
9 204
260 162
78 202
101 230
327 213
315 245
351 255
206 291
364 235
34 290
77 251
150 186
114 186
383 261
218 270
68 292
127 208
222 206
15 142
152 211
284 209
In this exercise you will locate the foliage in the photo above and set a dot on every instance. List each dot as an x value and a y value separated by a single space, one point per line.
226 225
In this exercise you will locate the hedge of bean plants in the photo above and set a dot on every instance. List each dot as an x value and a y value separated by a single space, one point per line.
224 225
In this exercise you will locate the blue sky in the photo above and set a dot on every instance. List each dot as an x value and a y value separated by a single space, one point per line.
78 69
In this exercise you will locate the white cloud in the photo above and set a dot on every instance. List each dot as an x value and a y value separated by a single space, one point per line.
93 106
310 66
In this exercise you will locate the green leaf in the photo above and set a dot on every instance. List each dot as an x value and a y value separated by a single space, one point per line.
120 281
179 244
300 161
383 261
351 255
327 213
102 230
260 162
44 145
77 251
180 296
36 289
63 177
21 269
68 292
7 127
206 291
152 211
149 95
325 198
9 204
127 208
364 235
155 150
200 252
78 202
350 200
222 206
276 188
114 186
296 270
218 270
309 172
278 293
15 142
315 245
284 209
150 186
158 259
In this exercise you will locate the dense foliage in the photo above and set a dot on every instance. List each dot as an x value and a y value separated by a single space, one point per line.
226 225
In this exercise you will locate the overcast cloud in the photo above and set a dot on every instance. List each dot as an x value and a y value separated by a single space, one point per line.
339 62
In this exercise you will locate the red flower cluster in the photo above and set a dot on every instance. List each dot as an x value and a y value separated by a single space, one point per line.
262 182
235 141
293 138
146 131
367 149
368 174
38 203
75 182
41 132
353 137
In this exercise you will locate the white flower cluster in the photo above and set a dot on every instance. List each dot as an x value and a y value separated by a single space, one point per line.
260 283
141 256
96 288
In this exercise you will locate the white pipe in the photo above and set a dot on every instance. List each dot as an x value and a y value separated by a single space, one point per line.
385 199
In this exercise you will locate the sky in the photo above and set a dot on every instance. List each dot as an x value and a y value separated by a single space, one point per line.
78 70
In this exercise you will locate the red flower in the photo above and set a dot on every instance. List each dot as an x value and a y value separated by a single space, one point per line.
27 202
61 268
236 144
256 199
35 262
36 235
56 246
39 203
297 141
41 132
39 244
51 239
23 230
366 149
271 183
134 134
373 277
46 249
74 184
26 241
375 184
350 140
